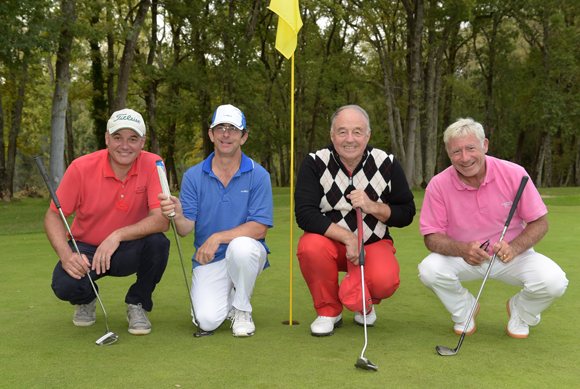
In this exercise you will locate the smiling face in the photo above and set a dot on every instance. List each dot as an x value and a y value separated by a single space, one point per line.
227 143
350 137
124 147
467 156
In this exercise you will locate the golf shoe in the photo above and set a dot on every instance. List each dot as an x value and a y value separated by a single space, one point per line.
371 318
516 327
325 325
458 328
242 323
85 314
139 324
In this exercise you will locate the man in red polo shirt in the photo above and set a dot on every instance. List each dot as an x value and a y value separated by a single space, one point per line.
118 223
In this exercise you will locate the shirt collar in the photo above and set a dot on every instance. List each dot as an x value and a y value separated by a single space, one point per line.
108 170
489 175
246 165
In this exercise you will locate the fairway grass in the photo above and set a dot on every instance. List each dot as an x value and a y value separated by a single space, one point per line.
41 348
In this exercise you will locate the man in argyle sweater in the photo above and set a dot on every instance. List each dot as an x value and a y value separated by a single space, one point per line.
331 184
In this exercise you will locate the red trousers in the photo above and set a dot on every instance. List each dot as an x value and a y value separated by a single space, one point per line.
322 258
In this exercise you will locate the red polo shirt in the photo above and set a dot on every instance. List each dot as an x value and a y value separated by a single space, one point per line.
102 202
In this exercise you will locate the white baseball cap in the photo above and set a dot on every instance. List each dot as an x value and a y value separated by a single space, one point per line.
126 118
229 114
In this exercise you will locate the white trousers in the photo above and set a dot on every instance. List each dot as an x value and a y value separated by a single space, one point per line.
218 286
543 281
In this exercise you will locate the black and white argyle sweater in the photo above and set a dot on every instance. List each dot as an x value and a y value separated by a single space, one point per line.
323 183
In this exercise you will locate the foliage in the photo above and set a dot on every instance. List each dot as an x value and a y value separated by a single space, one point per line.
514 66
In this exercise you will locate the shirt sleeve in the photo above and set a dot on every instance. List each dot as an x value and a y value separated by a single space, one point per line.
261 207
69 191
189 195
433 217
154 184
401 199
307 197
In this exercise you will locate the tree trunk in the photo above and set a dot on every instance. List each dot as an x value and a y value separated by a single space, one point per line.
548 159
415 25
2 151
151 87
15 128
70 149
99 109
174 88
540 165
60 97
128 54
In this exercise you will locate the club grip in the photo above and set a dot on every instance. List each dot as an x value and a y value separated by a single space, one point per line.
517 199
47 181
163 180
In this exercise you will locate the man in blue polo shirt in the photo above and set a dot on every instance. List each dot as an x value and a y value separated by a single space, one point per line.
227 199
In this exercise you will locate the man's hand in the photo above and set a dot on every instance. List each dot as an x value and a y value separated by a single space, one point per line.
503 251
102 257
169 205
76 266
359 199
352 250
206 253
473 254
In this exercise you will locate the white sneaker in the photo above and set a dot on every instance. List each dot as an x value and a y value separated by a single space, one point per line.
516 327
325 325
458 328
242 323
371 318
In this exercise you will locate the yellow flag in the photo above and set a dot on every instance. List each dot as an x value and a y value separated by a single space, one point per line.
289 23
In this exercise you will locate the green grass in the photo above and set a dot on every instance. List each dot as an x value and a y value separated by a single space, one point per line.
41 348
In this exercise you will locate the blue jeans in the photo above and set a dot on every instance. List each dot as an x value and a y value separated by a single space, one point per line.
146 256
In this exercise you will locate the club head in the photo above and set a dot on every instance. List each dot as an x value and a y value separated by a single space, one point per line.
107 339
364 364
201 333
442 350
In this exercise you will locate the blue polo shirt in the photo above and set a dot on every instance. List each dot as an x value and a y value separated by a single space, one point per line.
215 208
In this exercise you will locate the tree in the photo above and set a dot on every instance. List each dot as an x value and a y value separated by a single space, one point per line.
60 97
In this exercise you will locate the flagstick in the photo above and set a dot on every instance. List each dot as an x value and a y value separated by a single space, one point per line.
291 181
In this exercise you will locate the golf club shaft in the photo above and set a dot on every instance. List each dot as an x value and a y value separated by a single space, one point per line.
57 204
361 262
447 351
505 228
165 188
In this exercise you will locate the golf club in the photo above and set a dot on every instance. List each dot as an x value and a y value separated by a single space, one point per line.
442 350
109 337
165 188
362 362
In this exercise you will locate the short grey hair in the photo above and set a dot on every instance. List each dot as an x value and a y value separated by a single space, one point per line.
354 108
463 127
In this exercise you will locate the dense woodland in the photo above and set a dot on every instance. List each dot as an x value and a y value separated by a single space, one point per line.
414 65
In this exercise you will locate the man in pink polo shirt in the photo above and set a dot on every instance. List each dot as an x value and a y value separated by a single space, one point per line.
118 224
465 207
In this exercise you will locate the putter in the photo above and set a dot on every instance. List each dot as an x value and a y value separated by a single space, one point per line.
109 337
362 362
166 192
442 350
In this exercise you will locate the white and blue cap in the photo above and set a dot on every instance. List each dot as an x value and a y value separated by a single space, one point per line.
231 115
126 118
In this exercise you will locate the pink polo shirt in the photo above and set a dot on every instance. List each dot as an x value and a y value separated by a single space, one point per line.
468 214
102 202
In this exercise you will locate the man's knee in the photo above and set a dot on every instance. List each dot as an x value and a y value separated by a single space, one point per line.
210 320
430 270
241 251
67 288
556 284
159 245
